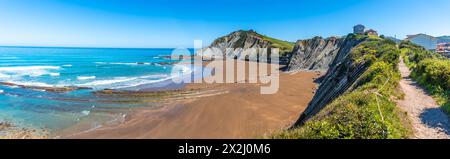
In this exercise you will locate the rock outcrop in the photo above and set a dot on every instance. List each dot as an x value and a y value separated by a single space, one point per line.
319 54
244 45
339 78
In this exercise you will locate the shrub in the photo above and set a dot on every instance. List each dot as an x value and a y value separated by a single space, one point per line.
430 70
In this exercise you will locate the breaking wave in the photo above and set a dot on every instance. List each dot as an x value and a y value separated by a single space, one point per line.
32 71
85 77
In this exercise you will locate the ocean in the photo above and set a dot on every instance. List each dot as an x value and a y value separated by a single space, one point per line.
96 68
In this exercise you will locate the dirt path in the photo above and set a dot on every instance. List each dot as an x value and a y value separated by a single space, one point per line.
427 118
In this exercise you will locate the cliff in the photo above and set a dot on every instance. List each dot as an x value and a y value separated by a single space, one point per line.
356 98
319 54
339 77
237 44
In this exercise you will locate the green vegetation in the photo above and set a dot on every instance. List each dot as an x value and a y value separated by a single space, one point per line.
357 36
284 46
368 111
430 70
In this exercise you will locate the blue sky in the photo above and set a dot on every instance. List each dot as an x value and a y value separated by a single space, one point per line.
176 23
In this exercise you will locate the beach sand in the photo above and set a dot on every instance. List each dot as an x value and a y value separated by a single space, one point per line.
232 110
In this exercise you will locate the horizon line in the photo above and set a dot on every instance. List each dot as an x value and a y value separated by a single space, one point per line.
86 47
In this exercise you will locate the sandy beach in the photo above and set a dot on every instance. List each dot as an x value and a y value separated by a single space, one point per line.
231 110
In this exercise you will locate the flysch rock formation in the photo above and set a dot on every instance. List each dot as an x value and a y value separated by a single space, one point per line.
339 78
319 54
242 45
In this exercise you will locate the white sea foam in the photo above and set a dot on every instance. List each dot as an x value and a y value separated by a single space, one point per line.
1 91
20 68
55 74
4 76
123 63
7 57
13 74
180 72
183 72
33 71
68 65
124 82
155 76
32 84
85 112
85 77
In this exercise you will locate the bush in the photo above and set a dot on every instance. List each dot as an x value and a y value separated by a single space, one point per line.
430 70
435 72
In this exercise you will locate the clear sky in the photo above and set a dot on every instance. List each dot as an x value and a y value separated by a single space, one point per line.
176 23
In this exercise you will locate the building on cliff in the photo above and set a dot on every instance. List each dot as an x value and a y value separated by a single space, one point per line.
371 32
359 29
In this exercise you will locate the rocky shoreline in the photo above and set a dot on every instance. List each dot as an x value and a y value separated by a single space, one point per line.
10 131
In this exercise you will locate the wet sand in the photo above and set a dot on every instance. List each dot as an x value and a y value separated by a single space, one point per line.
228 111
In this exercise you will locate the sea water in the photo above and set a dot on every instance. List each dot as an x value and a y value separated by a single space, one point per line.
96 68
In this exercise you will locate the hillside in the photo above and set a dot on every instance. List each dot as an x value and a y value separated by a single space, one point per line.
235 45
444 39
393 39
356 97
284 46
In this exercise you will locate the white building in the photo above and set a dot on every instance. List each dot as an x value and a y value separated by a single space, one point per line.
426 41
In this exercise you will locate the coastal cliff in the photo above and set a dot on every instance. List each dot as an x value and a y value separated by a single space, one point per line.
356 97
320 54
240 45
339 77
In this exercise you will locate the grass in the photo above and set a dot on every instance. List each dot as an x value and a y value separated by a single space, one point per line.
284 46
369 110
374 37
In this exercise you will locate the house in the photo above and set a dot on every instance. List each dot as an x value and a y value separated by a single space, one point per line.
371 32
359 29
426 41
443 49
